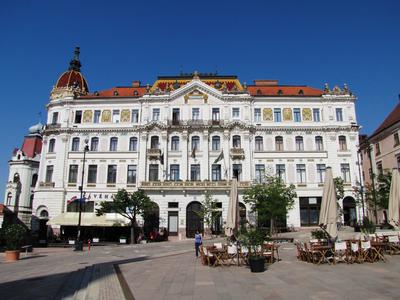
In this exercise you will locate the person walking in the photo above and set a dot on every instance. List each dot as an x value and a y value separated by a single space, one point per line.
197 242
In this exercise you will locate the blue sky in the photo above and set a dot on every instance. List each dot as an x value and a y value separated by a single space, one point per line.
296 42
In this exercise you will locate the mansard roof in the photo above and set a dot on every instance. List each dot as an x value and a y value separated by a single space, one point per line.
391 119
118 92
283 91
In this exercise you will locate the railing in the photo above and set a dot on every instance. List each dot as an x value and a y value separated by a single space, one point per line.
192 122
153 153
46 184
222 184
53 126
237 153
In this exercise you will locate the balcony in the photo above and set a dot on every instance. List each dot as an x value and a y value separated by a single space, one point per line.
237 153
196 123
153 153
191 185
46 184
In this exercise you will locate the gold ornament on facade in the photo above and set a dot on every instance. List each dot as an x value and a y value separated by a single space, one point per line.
106 116
125 115
287 114
87 116
267 114
307 116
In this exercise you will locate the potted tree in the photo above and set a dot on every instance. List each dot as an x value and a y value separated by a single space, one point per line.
14 235
253 239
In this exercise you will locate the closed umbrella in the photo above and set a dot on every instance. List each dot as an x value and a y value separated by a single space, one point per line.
231 220
394 199
328 212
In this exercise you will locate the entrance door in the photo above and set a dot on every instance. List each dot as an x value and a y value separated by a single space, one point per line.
173 222
349 211
309 210
193 221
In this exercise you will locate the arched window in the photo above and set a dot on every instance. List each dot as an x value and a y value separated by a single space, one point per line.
94 144
34 180
52 144
299 143
133 144
31 201
16 178
319 144
175 143
259 143
113 144
75 144
342 143
44 214
216 143
236 141
279 143
154 142
9 197
195 143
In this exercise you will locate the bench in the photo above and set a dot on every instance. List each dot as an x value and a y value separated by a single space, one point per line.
27 248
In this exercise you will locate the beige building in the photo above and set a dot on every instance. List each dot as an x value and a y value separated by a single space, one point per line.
380 152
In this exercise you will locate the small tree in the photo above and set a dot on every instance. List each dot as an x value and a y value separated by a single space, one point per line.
128 205
208 209
378 198
270 200
14 235
339 186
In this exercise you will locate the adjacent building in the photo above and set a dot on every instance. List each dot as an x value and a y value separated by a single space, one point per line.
187 134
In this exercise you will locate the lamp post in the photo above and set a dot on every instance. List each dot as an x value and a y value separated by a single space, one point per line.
79 243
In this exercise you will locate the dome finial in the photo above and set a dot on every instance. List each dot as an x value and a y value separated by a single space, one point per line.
75 63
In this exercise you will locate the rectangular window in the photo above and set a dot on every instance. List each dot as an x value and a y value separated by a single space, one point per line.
113 144
94 144
235 113
345 169
237 171
131 176
175 143
92 174
321 168
396 139
277 115
96 118
175 116
216 143
195 113
153 172
260 173
135 116
87 207
112 174
377 149
173 204
339 115
215 114
281 172
257 115
133 144
316 115
379 167
216 173
296 115
156 114
78 116
73 174
49 173
54 120
115 117
174 172
195 172
301 173
398 162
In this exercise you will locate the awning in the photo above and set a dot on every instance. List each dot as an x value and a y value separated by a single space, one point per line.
87 219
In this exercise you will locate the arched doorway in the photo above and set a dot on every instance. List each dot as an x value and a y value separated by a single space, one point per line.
43 214
242 214
193 221
152 220
349 211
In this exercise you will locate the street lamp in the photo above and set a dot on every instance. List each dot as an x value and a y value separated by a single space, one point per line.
79 243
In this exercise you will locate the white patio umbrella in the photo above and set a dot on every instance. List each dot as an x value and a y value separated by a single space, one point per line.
231 220
328 212
394 199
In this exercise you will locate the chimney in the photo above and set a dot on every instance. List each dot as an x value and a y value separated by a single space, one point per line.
265 82
136 83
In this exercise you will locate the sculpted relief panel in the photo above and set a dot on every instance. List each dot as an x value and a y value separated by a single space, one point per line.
106 116
307 115
287 114
87 116
125 115
267 114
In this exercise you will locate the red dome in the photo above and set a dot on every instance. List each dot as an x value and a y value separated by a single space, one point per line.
74 79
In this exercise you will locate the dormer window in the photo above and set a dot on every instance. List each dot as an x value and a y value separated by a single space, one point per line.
301 92
259 92
115 93
280 92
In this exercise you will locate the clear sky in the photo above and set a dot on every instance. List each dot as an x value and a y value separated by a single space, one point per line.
296 42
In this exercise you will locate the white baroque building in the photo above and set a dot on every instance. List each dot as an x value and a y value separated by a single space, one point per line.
191 133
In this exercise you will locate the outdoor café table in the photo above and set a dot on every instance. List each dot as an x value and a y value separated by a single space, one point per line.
378 249
323 251
219 255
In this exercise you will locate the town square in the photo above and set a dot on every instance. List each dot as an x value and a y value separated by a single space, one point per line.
213 150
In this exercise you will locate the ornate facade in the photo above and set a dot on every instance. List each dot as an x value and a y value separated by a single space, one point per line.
191 133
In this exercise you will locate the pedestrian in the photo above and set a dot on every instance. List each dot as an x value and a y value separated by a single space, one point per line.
197 242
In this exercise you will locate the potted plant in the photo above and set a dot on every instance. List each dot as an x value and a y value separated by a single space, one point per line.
253 239
14 236
122 240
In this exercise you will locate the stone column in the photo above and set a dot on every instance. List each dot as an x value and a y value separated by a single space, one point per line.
185 155
142 159
226 162
205 164
164 150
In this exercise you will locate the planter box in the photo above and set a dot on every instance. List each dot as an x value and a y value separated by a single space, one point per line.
95 240
122 241
257 264
12 255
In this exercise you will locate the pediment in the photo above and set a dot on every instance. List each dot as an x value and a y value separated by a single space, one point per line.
196 89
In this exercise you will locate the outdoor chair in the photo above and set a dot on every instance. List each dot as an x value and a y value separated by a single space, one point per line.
207 258
244 254
300 251
219 246
366 252
393 244
354 252
268 252
232 254
340 252
314 254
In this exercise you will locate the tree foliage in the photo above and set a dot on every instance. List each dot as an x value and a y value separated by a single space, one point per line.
379 198
270 200
128 205
208 209
339 187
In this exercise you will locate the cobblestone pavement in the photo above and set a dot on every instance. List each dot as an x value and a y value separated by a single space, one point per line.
184 277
